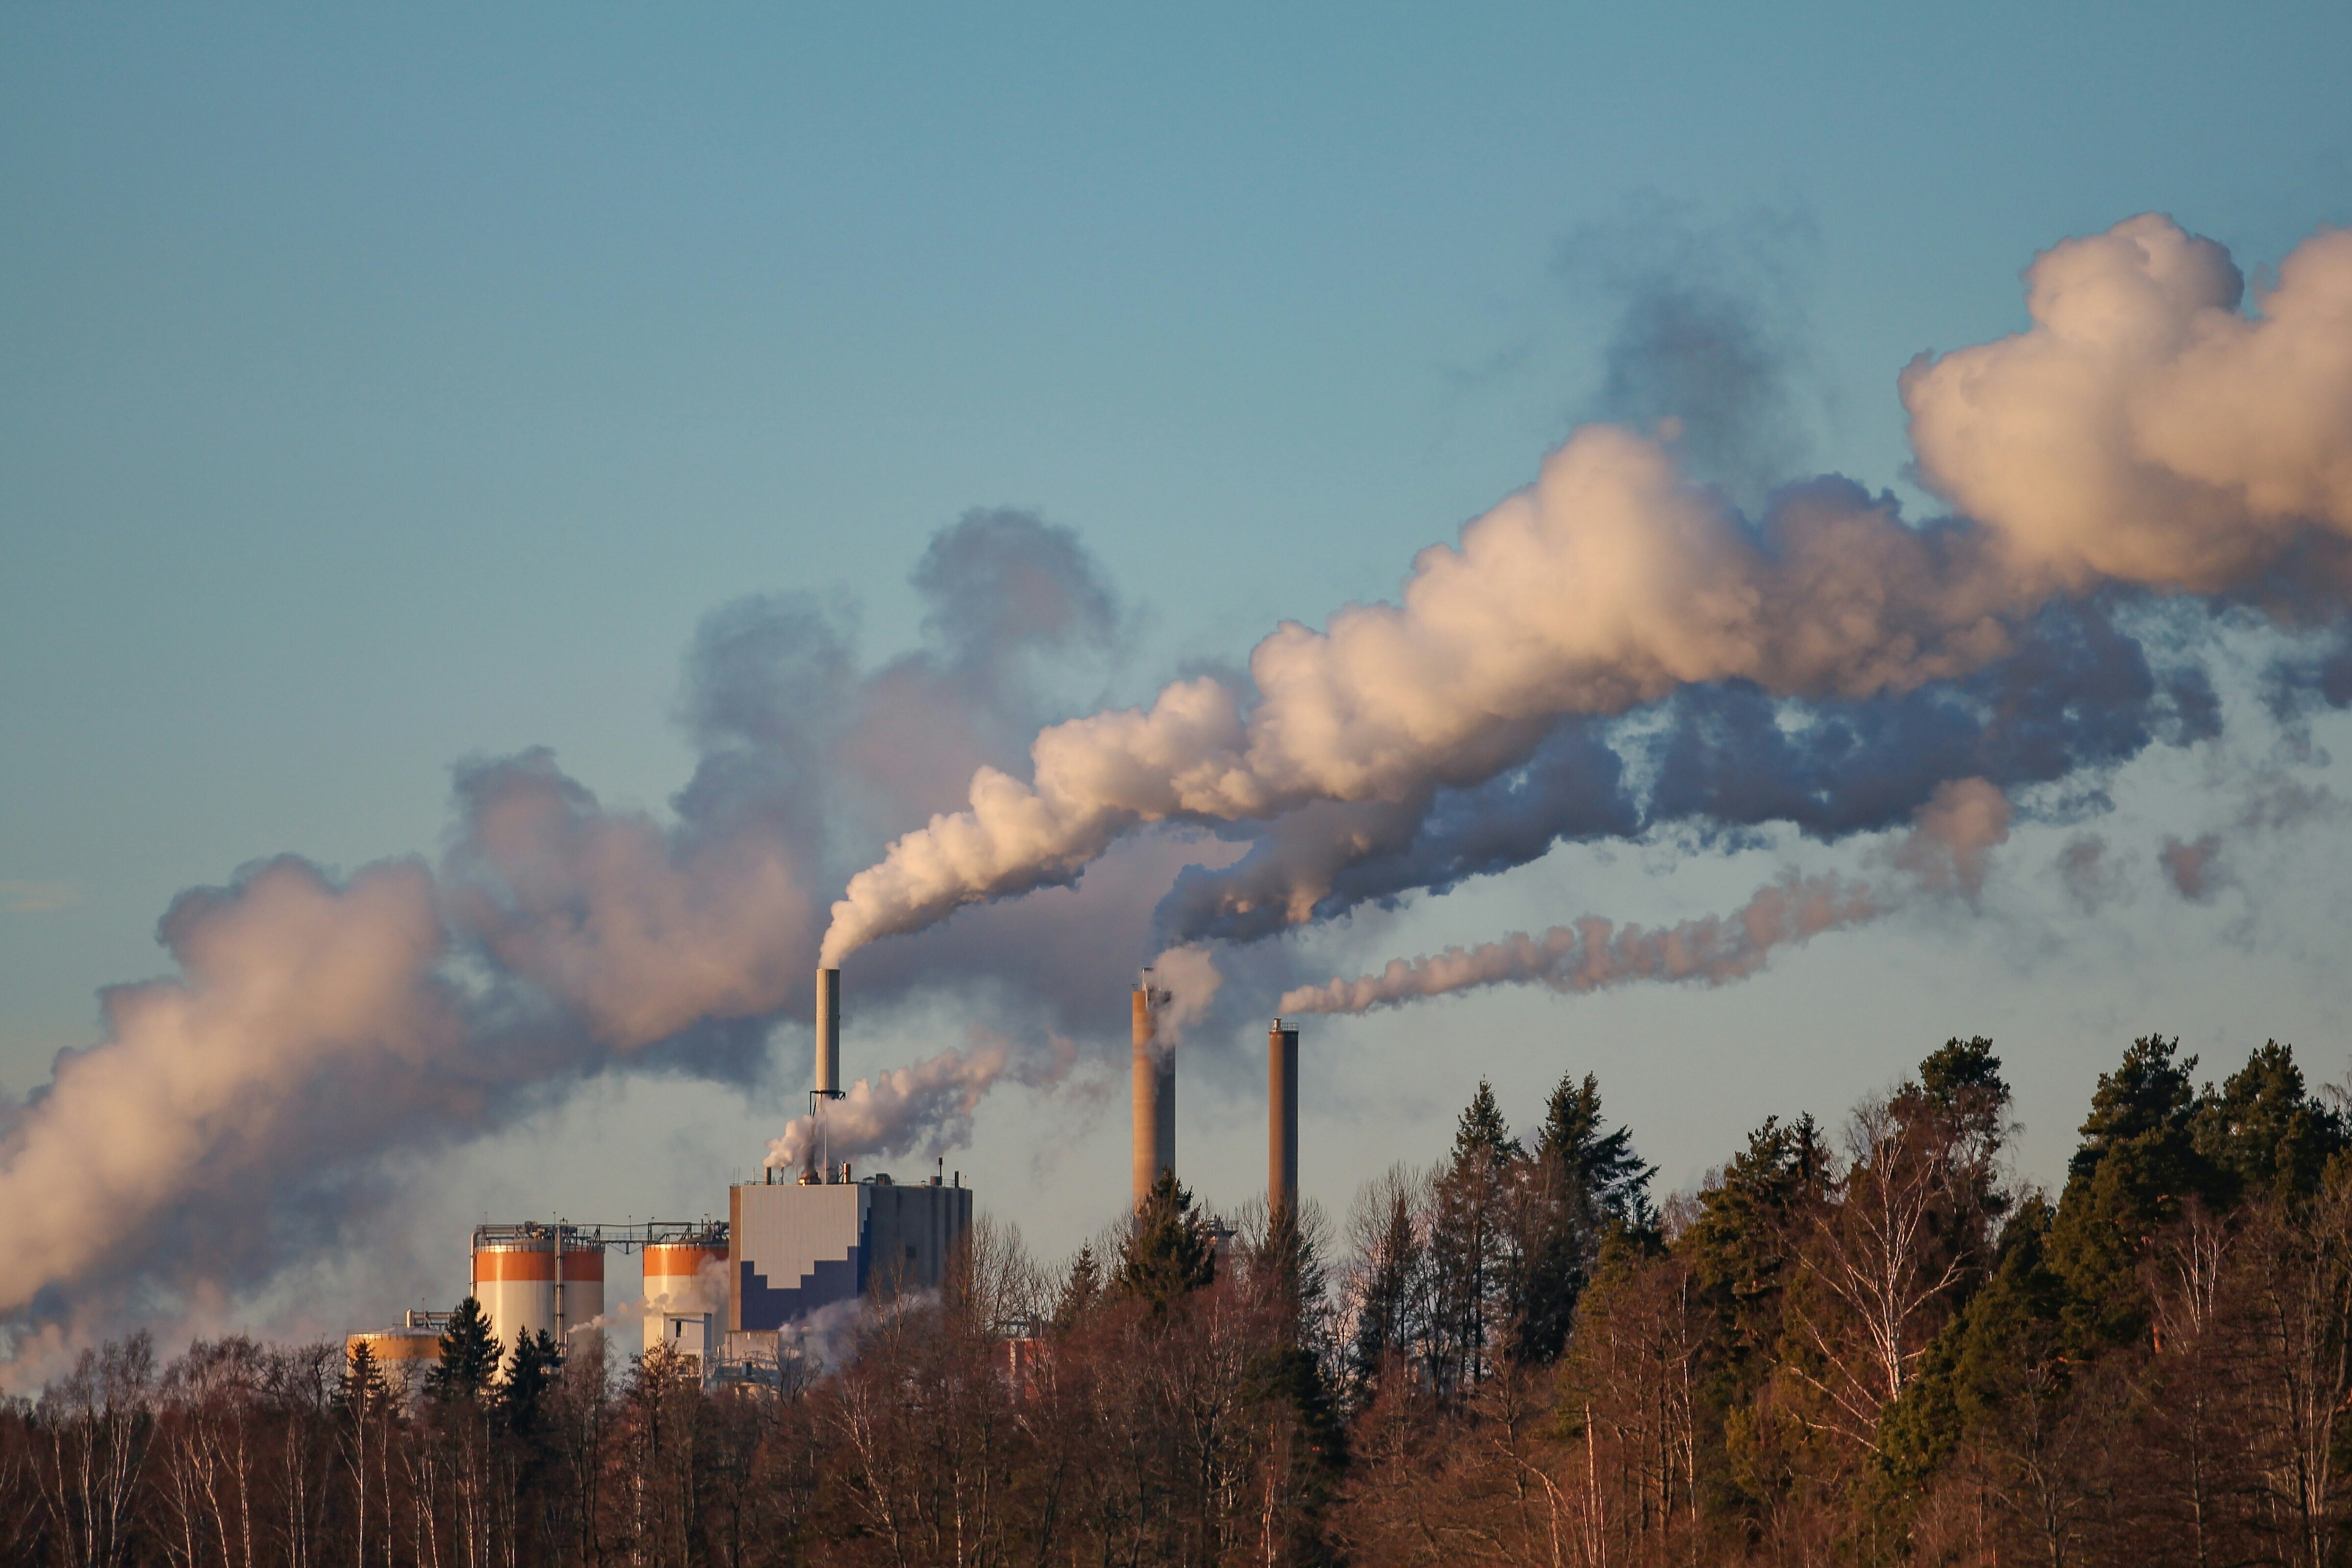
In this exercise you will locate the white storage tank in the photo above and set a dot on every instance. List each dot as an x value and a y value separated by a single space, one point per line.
539 1279
406 1355
686 1292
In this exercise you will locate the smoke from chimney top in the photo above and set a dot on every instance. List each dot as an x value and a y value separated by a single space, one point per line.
1613 582
1615 651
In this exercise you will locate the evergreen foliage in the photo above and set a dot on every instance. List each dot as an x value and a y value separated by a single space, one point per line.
469 1358
1583 1182
1171 1251
523 1391
1082 1287
1871 1347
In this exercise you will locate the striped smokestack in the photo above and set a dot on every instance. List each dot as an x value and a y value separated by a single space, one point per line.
1155 1092
1281 1118
828 1032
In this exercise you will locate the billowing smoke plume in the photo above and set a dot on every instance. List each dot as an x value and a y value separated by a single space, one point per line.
2143 436
1718 760
1616 652
1944 853
235 1118
928 1107
925 1108
306 1028
1710 336
1594 953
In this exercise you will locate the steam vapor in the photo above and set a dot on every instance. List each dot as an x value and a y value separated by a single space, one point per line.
926 1108
229 1120
1593 953
1945 854
2142 436
1616 651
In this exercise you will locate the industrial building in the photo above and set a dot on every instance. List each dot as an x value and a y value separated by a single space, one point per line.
793 1243
713 1289
797 1247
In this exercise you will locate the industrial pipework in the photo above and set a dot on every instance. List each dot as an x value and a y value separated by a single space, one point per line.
1155 1091
1281 1118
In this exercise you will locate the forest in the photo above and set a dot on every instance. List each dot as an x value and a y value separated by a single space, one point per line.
1867 1343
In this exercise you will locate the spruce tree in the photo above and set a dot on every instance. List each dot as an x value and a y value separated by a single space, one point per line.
1080 1290
2137 1164
1608 1178
530 1373
1482 1135
469 1357
1391 1283
364 1388
1170 1252
1470 1245
1586 1182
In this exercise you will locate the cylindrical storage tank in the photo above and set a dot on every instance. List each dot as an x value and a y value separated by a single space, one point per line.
516 1280
402 1356
582 1302
684 1280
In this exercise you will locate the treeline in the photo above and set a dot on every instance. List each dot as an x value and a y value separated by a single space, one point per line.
1871 1347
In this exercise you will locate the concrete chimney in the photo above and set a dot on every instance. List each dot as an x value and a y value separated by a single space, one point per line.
828 1032
1281 1118
1155 1093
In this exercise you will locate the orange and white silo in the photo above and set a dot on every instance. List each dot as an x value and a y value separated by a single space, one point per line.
686 1294
580 1303
527 1284
402 1356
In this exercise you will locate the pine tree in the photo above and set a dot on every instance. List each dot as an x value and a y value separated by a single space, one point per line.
530 1373
1080 1290
2261 1136
1585 1183
2137 1164
1472 1255
2148 1093
1739 1248
364 1388
1171 1252
1390 1279
469 1358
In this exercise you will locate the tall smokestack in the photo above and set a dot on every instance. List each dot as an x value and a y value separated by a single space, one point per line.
1281 1119
828 1032
1155 1093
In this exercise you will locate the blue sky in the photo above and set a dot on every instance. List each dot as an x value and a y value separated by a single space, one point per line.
383 387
